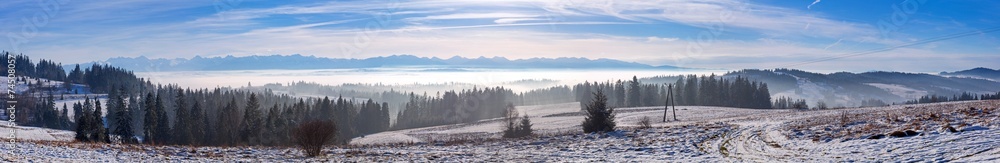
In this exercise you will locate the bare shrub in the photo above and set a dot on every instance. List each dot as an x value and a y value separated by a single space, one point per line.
311 136
844 118
645 123
514 127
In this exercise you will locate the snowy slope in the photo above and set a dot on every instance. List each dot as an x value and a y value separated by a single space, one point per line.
901 91
554 118
703 134
34 133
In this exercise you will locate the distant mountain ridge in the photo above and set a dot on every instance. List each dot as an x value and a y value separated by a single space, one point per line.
298 62
849 89
979 72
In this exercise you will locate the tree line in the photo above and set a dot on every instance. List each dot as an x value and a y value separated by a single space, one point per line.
203 117
135 110
965 96
688 90
789 103
44 69
454 107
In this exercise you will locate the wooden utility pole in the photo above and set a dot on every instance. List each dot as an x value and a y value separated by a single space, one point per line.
670 102
666 105
670 92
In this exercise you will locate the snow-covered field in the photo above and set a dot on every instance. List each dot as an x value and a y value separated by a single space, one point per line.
34 133
899 90
702 134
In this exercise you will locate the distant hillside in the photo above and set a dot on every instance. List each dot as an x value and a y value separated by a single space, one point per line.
849 89
980 72
395 61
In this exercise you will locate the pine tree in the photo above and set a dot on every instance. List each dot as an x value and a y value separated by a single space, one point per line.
182 126
524 129
197 131
634 93
250 128
101 132
163 132
112 109
600 117
510 122
226 134
64 118
619 94
150 122
90 123
270 133
82 123
384 117
77 111
691 90
124 129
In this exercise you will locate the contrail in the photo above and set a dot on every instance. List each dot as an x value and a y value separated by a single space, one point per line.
811 5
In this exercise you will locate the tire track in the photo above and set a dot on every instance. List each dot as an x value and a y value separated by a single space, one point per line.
751 142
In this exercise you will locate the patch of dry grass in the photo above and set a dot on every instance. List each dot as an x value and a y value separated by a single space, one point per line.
860 122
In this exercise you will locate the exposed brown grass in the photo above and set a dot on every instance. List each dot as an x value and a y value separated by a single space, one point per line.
855 123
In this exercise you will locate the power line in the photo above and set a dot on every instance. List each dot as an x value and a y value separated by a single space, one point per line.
930 40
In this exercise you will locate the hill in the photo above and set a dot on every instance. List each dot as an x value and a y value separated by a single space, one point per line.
979 72
849 89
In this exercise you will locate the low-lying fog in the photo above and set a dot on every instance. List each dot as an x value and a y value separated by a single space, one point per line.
515 79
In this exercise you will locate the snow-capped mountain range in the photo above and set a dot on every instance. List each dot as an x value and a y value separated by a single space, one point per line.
298 62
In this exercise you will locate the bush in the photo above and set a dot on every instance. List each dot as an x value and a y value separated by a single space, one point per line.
844 118
312 135
645 123
514 128
820 105
600 117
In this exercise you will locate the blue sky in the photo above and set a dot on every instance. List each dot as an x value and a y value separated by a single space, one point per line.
729 34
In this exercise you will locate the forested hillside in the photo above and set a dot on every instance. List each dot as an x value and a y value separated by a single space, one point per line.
137 109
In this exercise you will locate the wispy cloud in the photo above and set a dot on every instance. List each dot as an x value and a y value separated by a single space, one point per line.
811 5
834 44
651 32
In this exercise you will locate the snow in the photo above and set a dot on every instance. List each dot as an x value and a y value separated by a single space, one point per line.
900 90
69 100
34 133
552 119
702 134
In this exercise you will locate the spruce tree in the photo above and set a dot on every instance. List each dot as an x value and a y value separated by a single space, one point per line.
525 128
250 128
82 123
112 109
510 122
163 131
600 117
124 129
226 132
619 94
633 93
182 132
100 132
197 131
150 122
